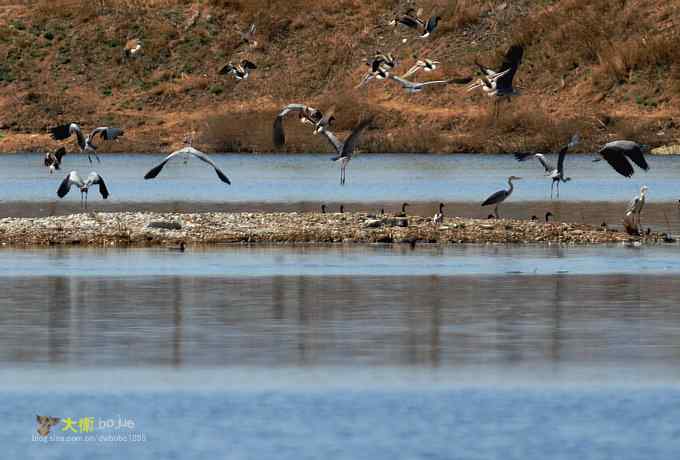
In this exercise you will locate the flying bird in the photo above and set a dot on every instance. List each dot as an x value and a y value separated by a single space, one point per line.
53 159
409 19
86 144
183 152
556 174
73 178
415 87
631 220
241 71
500 196
132 47
248 36
380 64
428 65
345 149
430 26
307 114
498 83
617 154
325 122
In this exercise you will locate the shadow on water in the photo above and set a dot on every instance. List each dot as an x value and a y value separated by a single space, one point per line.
341 320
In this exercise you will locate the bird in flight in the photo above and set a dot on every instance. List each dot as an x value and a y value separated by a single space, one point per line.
241 71
555 173
498 83
307 114
345 149
184 152
53 159
415 87
86 144
73 178
617 154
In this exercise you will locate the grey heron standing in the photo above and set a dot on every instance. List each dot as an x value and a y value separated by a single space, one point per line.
188 150
617 153
500 196
73 178
555 173
86 144
631 220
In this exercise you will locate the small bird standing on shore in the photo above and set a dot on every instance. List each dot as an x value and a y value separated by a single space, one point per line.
438 218
403 210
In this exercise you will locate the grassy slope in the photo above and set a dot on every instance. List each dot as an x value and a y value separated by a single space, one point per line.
607 68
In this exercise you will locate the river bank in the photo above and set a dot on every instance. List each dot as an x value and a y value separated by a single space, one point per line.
141 229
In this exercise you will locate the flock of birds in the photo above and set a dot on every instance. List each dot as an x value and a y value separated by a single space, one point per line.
497 83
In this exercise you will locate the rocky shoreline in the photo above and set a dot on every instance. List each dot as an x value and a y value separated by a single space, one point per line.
145 229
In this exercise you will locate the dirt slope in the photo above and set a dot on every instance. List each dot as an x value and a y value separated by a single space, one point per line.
605 68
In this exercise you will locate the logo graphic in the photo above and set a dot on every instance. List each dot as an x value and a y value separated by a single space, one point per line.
45 423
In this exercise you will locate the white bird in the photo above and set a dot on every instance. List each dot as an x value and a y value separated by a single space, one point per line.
73 178
186 151
438 218
345 149
501 195
631 220
86 144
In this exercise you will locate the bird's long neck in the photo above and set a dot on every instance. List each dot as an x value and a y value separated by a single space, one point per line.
441 208
511 186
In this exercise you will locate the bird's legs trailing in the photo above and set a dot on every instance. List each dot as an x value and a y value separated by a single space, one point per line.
495 211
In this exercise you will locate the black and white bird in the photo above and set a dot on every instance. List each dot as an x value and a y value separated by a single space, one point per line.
438 218
380 65
73 178
617 154
184 152
430 26
132 48
241 71
555 173
498 83
345 149
53 159
631 220
428 65
86 144
325 122
409 19
500 196
306 114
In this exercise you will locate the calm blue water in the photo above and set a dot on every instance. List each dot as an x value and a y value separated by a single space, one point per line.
471 352
465 423
371 178
372 260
